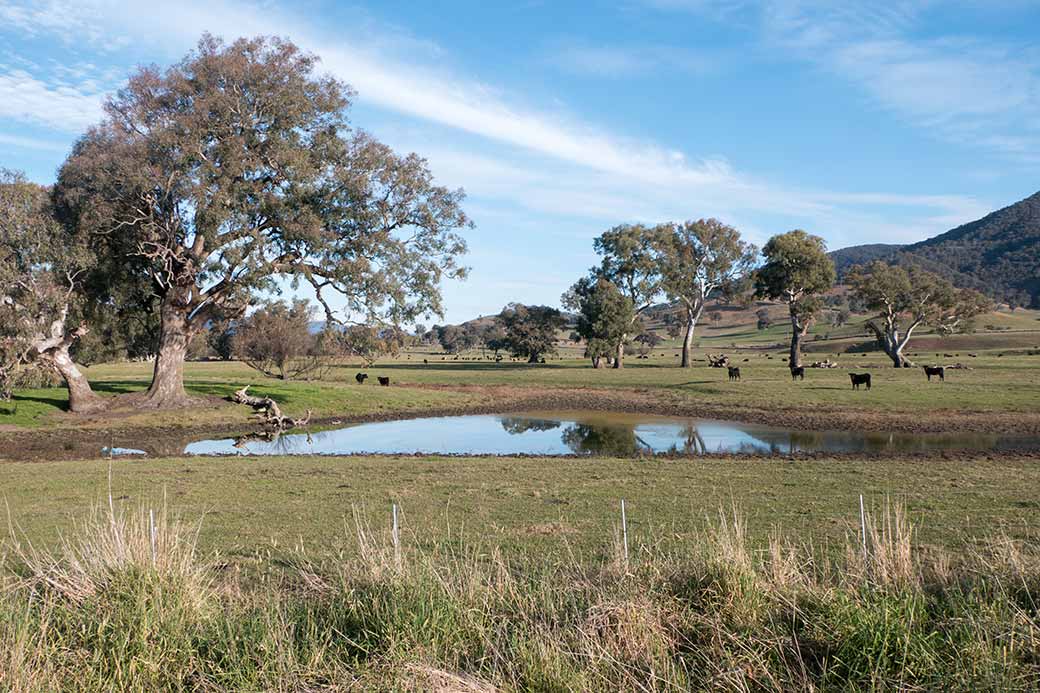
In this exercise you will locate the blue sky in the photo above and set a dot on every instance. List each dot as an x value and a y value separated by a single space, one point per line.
859 121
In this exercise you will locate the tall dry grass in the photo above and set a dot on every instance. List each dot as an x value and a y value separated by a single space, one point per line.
126 602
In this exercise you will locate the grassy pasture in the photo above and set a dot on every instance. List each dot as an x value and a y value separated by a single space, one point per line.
545 506
1006 377
521 584
1008 383
511 575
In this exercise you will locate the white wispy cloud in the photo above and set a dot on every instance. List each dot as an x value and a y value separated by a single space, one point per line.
544 160
22 142
57 104
71 23
584 58
983 93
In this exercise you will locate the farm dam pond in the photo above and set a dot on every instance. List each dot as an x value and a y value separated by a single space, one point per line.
586 433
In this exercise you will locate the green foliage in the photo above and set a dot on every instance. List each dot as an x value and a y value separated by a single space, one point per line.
795 271
530 331
914 295
605 315
905 298
41 268
276 340
630 263
698 258
456 338
236 166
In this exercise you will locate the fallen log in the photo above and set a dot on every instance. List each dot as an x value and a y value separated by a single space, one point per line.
268 410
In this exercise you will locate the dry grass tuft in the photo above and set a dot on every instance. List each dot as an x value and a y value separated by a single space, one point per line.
632 630
113 542
428 679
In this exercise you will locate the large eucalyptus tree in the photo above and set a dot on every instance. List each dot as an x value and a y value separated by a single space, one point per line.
796 271
236 167
630 264
42 267
696 259
904 299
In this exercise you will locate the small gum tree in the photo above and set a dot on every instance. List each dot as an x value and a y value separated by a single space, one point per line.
604 316
530 331
904 299
697 259
42 267
630 263
796 271
236 167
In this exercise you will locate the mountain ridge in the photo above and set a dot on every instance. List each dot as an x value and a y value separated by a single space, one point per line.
998 254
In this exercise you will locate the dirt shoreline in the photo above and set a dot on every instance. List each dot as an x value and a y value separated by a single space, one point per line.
169 441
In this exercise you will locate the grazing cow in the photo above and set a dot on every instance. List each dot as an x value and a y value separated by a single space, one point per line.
797 372
360 378
384 380
860 379
734 373
935 370
426 362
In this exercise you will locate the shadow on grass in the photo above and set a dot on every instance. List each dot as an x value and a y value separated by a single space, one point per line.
55 397
280 392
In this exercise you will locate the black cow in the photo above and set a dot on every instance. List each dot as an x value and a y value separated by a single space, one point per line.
935 370
860 379
734 373
426 361
360 378
384 380
797 372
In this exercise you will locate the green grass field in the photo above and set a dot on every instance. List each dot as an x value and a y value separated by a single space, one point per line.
540 505
742 574
1005 377
511 575
1008 383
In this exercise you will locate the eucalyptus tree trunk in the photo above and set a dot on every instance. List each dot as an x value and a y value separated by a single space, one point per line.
799 329
693 313
175 332
81 396
619 355
892 344
53 350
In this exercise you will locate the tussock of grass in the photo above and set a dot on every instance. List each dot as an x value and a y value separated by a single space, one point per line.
126 603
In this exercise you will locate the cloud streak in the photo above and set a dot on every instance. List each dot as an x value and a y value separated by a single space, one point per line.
984 94
541 160
63 107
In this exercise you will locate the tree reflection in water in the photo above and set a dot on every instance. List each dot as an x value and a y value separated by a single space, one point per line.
693 442
590 439
289 445
515 425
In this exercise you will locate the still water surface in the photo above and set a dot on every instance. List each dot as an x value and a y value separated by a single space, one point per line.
589 433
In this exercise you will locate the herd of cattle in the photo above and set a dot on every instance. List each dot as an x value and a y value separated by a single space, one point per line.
384 380
798 373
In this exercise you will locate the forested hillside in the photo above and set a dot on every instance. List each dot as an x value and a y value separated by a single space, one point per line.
998 254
